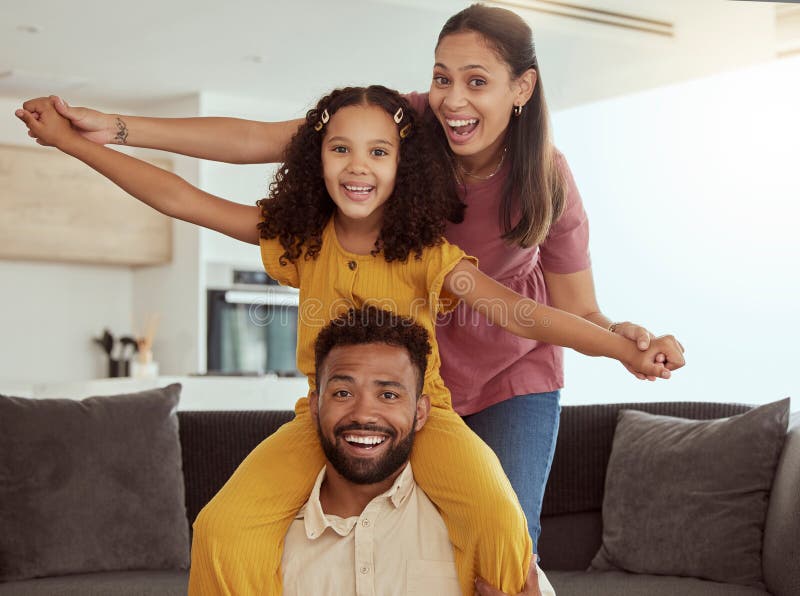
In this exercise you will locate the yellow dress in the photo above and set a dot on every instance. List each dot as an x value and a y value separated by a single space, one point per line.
238 536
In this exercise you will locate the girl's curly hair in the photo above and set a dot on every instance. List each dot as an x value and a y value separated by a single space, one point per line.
423 200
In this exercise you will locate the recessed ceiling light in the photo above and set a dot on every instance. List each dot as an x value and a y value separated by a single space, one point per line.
32 29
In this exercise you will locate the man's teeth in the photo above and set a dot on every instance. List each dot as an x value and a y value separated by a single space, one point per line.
364 440
358 188
455 123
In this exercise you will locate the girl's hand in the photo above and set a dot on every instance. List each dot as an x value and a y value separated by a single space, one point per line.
44 124
665 354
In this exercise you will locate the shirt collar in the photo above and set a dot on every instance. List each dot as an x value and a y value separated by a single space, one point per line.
316 521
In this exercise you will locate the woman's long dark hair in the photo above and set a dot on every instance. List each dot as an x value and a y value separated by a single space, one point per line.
423 200
534 191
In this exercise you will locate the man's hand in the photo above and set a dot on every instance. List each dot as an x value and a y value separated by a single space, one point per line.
531 587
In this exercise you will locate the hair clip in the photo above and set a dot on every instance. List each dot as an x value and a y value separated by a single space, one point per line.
323 120
398 116
405 131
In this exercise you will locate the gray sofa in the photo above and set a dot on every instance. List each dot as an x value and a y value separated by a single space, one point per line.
572 523
213 443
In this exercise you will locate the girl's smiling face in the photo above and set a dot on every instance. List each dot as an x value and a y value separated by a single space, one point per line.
473 94
360 153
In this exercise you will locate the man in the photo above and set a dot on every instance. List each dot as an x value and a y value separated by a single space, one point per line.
367 528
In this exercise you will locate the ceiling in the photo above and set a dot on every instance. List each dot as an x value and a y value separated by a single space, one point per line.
132 54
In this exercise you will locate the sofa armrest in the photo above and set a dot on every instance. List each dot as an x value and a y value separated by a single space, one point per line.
781 556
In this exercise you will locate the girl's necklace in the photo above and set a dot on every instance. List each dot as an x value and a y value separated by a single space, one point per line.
487 176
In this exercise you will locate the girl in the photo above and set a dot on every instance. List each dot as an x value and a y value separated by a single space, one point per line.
525 223
356 214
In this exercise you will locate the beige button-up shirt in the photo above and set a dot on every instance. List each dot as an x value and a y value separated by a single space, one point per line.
398 546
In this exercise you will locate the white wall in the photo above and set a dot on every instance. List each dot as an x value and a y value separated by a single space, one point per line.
174 291
693 194
50 311
241 183
585 61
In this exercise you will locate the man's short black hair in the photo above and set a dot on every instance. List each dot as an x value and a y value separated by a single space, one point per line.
369 325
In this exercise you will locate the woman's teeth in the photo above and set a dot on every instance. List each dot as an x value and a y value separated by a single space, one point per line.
457 123
462 127
358 188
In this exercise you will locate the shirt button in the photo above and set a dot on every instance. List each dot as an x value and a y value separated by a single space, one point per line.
365 523
364 570
352 265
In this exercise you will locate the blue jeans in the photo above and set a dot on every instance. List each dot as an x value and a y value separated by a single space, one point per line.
522 432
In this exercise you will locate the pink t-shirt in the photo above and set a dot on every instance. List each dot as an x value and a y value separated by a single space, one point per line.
483 364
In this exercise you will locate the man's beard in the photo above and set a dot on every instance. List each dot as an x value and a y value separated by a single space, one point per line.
367 470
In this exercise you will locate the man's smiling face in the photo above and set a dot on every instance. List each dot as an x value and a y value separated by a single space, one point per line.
367 410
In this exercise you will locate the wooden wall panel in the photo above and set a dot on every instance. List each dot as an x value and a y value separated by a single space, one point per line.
55 208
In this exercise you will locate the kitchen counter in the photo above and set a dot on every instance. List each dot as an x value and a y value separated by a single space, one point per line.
268 392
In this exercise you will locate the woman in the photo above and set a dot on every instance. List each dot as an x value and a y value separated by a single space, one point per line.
525 222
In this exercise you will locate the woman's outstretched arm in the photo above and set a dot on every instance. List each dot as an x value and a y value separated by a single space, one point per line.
229 140
161 190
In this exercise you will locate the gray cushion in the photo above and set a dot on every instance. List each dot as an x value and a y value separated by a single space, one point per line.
620 583
91 485
111 583
689 498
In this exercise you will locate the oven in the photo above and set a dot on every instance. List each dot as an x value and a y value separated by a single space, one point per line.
252 326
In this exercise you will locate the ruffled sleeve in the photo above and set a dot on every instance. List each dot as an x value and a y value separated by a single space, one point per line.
286 274
441 261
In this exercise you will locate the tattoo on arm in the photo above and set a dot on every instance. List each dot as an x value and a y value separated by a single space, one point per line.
121 138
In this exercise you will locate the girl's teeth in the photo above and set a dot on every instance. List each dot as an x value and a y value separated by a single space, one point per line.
358 188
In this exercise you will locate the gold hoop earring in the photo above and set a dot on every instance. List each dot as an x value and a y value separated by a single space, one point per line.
518 111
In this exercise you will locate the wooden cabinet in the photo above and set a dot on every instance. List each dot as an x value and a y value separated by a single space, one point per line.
55 208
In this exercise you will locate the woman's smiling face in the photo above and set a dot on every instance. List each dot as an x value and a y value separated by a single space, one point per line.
473 94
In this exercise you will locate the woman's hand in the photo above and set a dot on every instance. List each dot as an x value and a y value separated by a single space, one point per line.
665 352
97 127
45 124
641 337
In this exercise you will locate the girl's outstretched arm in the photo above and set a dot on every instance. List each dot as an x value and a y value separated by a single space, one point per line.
527 318
161 190
574 293
231 140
